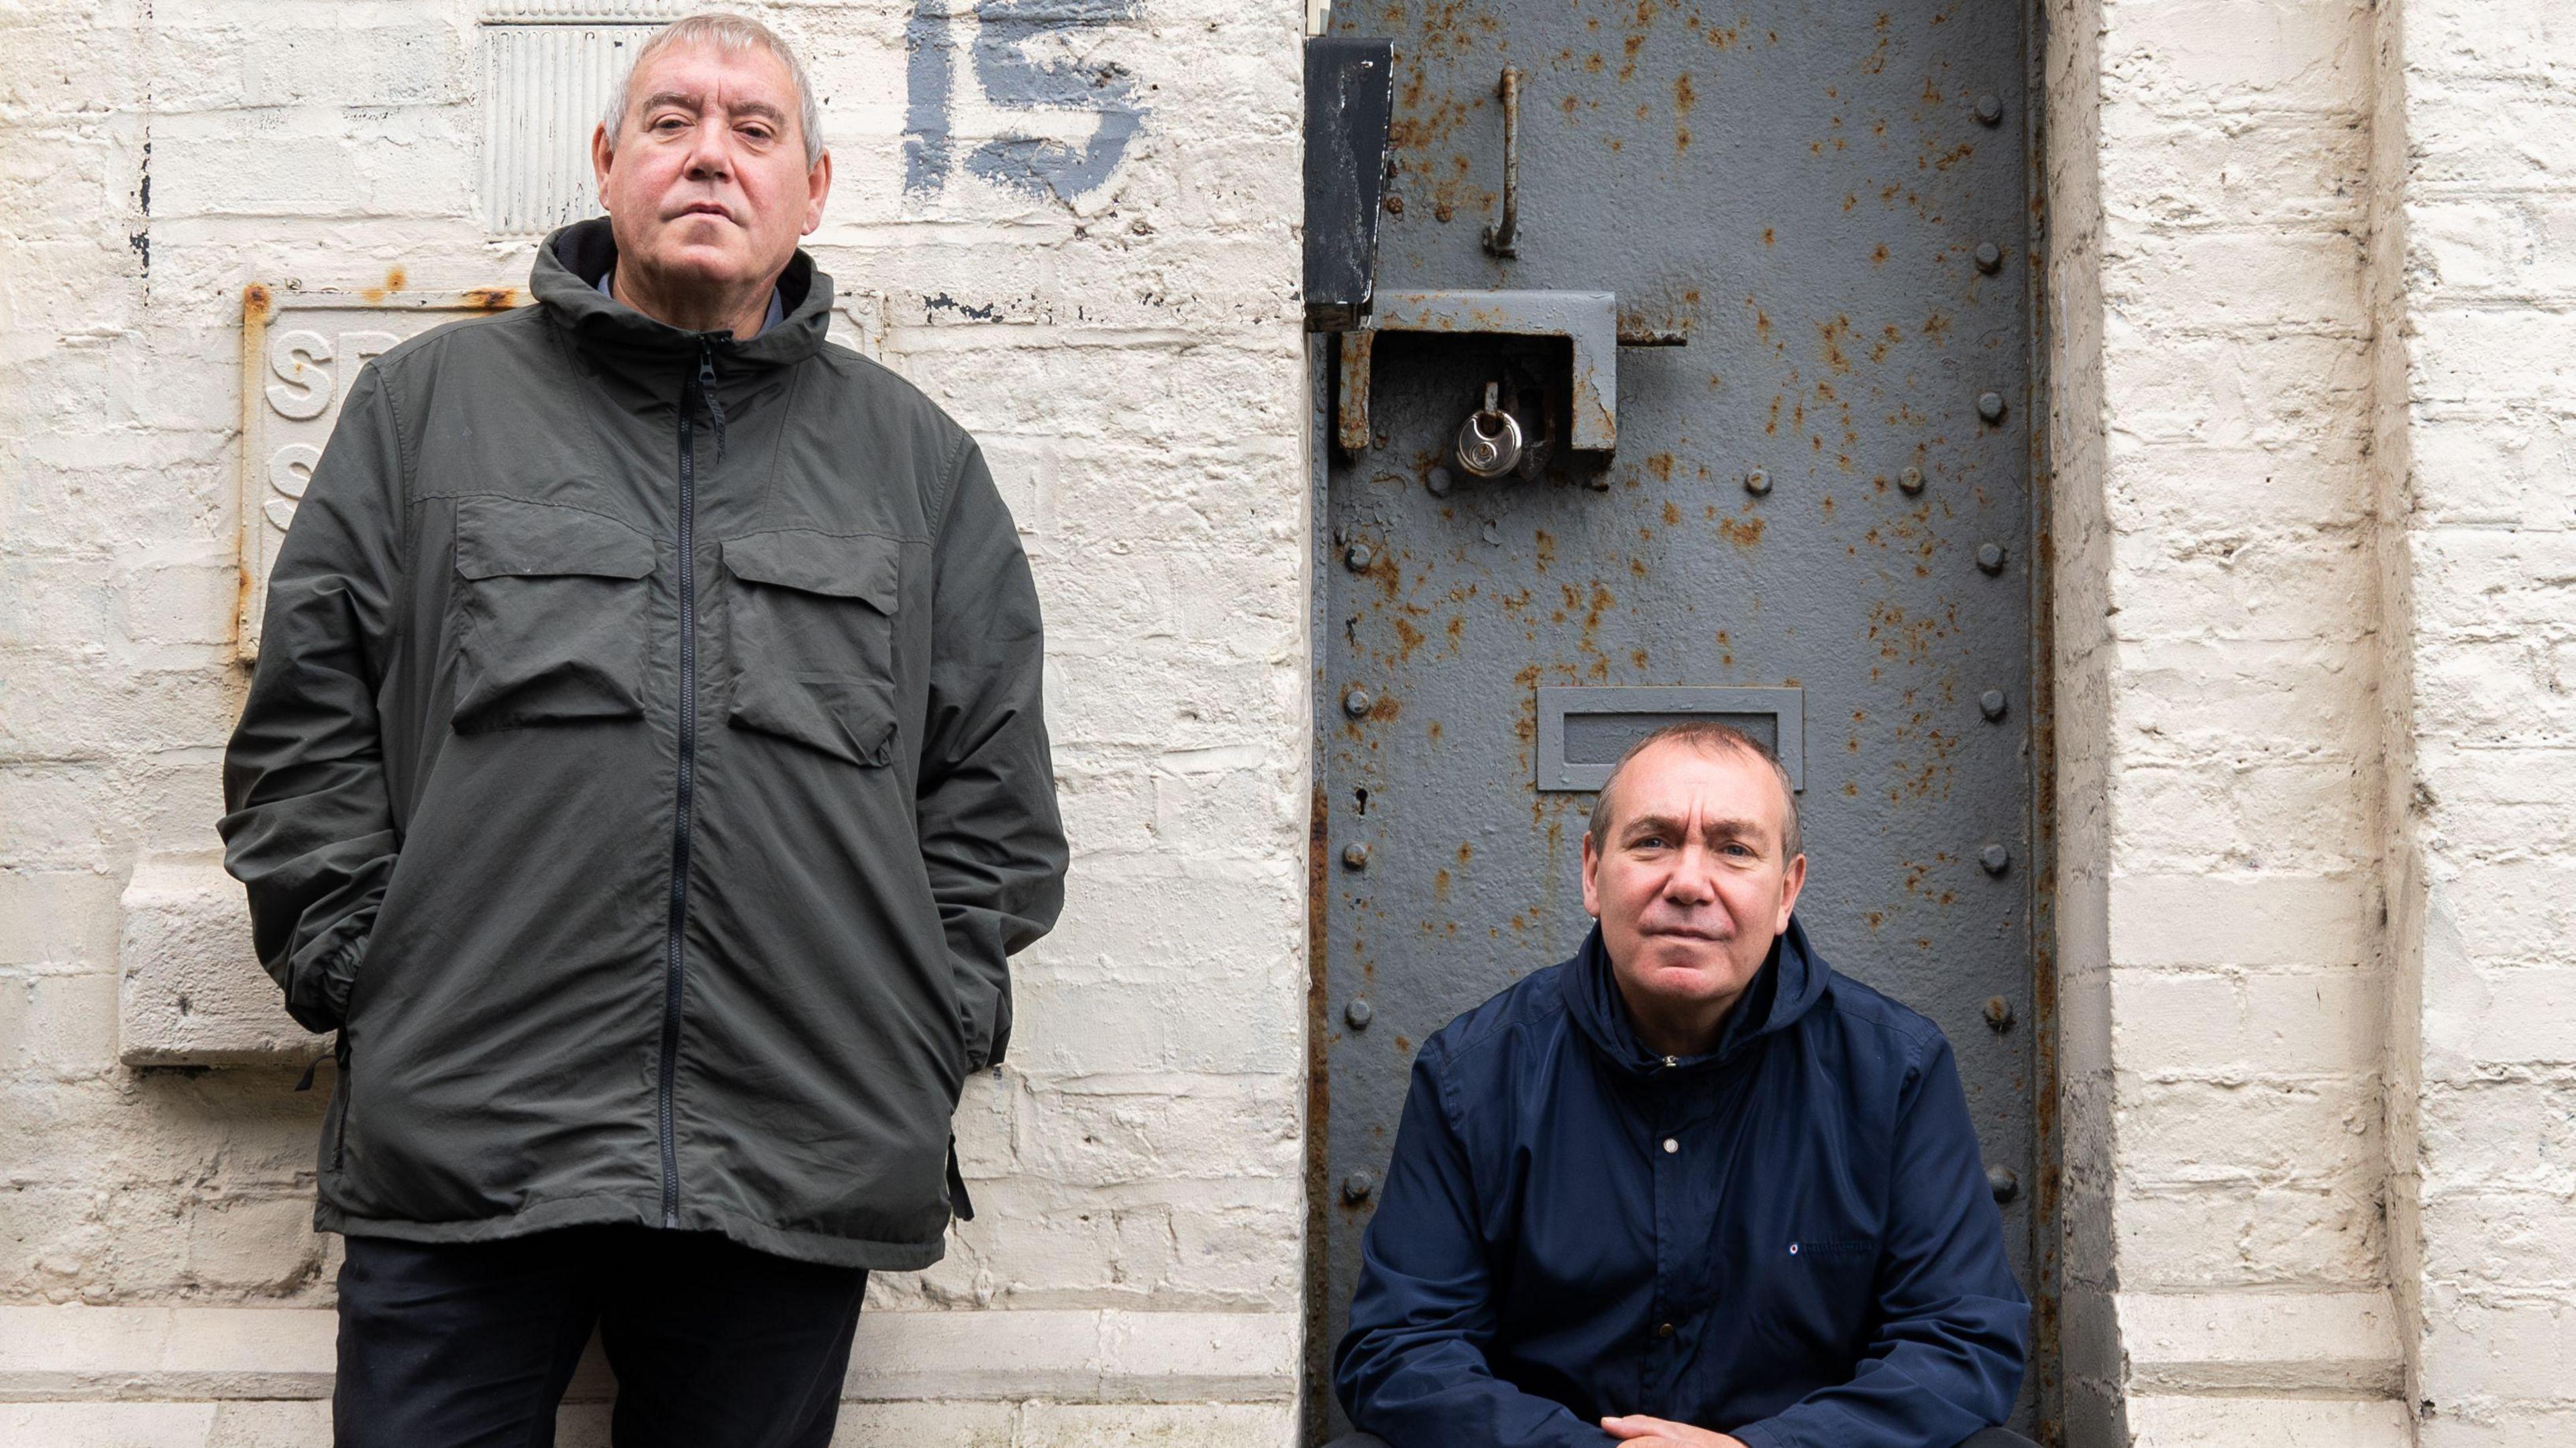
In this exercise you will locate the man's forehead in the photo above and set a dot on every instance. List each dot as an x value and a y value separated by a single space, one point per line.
692 72
1679 779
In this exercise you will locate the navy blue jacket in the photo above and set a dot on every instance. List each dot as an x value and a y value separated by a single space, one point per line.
1789 1239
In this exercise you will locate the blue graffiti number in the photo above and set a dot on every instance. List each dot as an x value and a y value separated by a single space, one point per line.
1029 56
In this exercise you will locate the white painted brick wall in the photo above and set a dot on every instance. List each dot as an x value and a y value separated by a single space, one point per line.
2312 264
2243 994
2218 621
2480 283
1139 384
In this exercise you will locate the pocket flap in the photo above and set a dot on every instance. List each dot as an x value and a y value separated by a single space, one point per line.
500 537
862 566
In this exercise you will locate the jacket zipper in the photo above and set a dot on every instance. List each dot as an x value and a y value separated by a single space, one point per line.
674 961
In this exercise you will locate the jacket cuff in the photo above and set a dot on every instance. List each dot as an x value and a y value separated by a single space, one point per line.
1767 1434
324 973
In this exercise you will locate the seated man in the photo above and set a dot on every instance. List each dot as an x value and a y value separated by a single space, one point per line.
1690 1187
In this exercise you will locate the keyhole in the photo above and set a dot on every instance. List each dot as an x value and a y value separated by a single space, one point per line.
1362 796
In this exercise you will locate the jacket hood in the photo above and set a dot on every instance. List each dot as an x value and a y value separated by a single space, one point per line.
1787 986
565 281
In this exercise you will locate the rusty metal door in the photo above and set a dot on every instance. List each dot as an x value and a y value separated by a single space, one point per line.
1814 517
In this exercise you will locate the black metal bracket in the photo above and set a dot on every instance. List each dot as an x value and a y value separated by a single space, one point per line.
1350 101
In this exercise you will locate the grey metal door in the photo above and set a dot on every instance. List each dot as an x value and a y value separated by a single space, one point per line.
1817 519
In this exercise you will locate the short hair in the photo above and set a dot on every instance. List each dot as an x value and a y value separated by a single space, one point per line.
733 34
1709 737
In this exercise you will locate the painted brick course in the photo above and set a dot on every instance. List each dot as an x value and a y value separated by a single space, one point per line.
2482 272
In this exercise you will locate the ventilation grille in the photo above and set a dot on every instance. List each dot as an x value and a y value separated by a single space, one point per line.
585 12
544 86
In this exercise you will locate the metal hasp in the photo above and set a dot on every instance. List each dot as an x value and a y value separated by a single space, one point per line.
1503 240
1350 95
1583 730
1587 320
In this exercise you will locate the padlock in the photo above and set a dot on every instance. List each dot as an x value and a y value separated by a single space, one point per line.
1489 442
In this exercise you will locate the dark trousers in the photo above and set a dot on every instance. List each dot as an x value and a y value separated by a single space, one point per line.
469 1345
1989 1438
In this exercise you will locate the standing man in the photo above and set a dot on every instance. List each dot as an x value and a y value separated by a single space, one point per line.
644 775
1691 1188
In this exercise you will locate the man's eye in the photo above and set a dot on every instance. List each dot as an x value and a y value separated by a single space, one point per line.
669 123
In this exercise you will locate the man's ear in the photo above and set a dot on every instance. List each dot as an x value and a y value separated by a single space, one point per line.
818 189
1591 887
600 153
1792 880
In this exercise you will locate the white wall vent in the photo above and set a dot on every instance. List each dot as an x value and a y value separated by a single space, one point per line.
547 69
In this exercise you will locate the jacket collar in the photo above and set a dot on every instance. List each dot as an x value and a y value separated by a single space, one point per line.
565 281
1789 984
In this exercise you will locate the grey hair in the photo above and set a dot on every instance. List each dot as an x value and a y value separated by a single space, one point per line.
733 34
1708 736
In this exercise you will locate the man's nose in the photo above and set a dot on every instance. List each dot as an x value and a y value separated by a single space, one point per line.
1694 878
710 150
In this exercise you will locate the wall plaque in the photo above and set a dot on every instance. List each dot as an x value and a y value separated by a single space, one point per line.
300 352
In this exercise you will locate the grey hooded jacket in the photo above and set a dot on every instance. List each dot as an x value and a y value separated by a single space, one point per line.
643 772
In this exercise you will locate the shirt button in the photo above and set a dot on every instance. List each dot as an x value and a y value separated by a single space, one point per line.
1671 1145
1663 1329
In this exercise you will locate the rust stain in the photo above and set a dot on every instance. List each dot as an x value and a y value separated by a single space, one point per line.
492 299
1743 532
1672 513
1546 550
257 303
1661 465
1408 638
1833 333
1319 1080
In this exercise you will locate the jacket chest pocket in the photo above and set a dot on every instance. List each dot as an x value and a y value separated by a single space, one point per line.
554 609
1821 1289
810 634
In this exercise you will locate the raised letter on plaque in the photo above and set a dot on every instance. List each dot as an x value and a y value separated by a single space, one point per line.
300 352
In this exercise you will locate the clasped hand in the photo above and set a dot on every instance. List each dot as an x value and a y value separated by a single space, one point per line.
1637 1430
